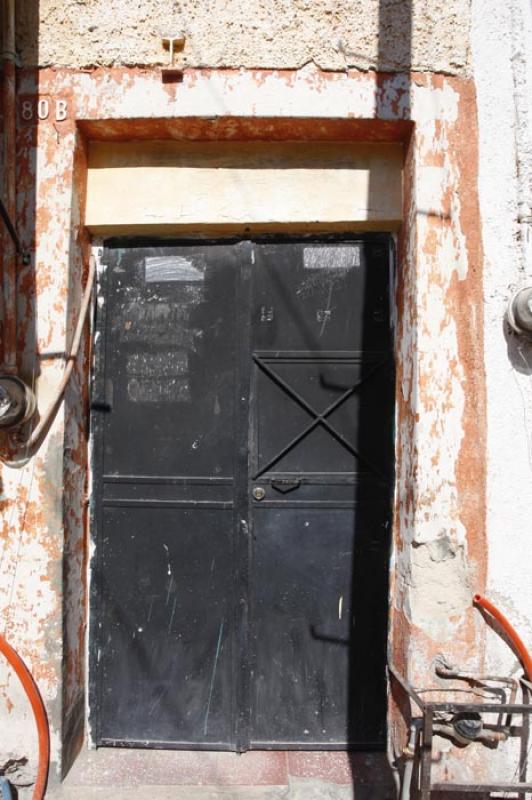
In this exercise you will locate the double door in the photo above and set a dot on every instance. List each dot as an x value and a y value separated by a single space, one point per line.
242 412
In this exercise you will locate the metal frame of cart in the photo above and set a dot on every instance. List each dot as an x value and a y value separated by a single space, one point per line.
428 711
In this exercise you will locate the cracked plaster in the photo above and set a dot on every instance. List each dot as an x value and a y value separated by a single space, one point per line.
275 34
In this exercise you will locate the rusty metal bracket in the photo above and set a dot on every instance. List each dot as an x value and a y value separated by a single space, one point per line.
429 710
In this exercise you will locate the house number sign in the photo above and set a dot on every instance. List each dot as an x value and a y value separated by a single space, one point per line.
34 108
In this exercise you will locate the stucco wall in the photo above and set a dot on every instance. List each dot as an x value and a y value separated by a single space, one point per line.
280 34
132 186
502 47
440 547
460 254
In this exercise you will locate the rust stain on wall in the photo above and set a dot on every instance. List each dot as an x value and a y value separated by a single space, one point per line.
469 310
440 258
434 557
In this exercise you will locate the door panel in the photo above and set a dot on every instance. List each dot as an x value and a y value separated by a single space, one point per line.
166 659
170 361
164 427
309 408
318 669
321 296
321 462
243 463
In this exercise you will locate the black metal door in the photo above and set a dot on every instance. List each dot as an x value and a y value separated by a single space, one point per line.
243 412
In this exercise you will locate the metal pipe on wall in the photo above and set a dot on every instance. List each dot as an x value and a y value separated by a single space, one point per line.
23 449
72 355
9 265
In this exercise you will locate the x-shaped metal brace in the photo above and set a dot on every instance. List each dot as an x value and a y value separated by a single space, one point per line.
318 418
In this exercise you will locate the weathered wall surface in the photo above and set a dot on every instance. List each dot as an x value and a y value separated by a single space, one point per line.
280 34
502 48
43 502
243 184
461 256
439 528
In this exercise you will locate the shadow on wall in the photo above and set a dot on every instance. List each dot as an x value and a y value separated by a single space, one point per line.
394 52
27 19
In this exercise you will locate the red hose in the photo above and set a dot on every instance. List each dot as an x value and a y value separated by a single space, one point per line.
39 712
510 631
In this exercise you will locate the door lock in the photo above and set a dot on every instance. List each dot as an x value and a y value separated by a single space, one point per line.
259 493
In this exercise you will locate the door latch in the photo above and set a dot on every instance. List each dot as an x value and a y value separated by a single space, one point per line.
105 401
101 405
285 485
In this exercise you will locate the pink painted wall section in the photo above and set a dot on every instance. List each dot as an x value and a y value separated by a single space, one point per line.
438 559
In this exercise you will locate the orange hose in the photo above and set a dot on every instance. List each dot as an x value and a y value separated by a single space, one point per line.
510 631
39 712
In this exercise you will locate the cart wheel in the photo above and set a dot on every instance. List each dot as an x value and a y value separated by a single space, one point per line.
5 789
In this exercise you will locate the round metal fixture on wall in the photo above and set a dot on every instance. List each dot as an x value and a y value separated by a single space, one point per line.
17 401
519 312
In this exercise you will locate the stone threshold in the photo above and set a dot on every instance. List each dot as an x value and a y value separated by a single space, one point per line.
256 775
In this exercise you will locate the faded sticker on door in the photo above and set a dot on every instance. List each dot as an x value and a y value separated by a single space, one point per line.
345 257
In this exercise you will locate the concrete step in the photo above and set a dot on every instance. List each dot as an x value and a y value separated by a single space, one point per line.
302 789
138 774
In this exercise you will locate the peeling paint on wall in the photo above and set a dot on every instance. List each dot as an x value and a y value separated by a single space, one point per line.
440 500
502 57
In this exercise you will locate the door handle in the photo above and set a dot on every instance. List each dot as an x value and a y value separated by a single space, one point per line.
285 485
104 402
101 405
